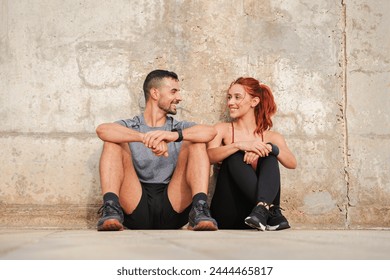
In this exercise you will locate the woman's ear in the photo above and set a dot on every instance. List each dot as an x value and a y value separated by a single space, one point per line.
255 101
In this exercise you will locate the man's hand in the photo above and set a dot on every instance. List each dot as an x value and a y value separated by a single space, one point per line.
157 141
153 138
161 149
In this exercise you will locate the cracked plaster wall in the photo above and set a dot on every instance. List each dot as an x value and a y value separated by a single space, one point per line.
67 66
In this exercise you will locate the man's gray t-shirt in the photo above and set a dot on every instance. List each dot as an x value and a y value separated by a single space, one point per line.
149 167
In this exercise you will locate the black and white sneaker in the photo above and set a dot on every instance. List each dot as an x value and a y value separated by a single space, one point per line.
200 218
111 217
258 218
276 220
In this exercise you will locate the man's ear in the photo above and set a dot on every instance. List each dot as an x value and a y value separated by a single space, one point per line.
154 93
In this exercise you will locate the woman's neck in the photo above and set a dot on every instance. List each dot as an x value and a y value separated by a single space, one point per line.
247 124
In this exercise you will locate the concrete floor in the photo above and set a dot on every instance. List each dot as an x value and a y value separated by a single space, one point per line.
47 254
57 244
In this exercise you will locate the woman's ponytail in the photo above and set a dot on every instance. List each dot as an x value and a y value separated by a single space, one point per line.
267 109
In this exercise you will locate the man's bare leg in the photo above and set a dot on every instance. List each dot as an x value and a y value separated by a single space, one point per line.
190 183
120 185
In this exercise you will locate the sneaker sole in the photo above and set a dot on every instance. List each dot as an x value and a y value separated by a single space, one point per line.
255 225
203 226
278 227
110 225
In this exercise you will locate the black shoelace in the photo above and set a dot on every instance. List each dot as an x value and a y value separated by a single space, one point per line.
109 208
261 210
202 208
276 211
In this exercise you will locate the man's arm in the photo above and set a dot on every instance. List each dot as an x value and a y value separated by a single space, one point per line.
116 133
197 134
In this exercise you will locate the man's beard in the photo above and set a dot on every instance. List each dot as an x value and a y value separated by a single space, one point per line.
169 110
172 112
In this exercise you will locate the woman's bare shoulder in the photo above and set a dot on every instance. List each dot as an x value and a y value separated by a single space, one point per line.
222 126
273 136
223 130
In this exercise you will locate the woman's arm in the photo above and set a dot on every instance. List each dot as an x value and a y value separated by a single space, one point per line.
285 157
215 150
218 153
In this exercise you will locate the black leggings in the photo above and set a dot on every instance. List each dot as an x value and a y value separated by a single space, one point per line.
239 188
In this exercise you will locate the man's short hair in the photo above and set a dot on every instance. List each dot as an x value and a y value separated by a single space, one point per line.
154 78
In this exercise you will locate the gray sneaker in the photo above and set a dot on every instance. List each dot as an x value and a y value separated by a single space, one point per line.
200 218
111 217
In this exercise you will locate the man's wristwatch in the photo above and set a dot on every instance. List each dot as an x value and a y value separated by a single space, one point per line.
180 132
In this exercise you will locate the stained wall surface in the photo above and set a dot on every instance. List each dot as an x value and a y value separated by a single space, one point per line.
67 66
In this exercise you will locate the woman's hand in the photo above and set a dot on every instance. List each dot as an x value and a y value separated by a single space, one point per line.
257 146
250 157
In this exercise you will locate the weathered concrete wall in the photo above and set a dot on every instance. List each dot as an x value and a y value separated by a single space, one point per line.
368 114
67 66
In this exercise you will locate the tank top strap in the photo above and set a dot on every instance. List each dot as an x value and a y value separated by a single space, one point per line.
232 132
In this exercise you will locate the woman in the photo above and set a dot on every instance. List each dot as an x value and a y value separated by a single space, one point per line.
248 180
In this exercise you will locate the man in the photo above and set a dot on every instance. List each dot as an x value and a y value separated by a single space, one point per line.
154 170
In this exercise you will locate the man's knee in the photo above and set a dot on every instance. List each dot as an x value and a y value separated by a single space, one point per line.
193 149
115 148
198 151
197 147
107 146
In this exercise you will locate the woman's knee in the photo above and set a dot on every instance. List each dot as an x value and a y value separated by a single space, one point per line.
234 159
238 156
270 159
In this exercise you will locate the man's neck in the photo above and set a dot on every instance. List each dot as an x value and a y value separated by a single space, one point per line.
154 116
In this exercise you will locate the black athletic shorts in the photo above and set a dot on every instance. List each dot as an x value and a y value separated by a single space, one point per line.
154 211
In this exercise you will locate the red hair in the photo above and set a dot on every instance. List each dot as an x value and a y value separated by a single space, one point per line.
266 107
